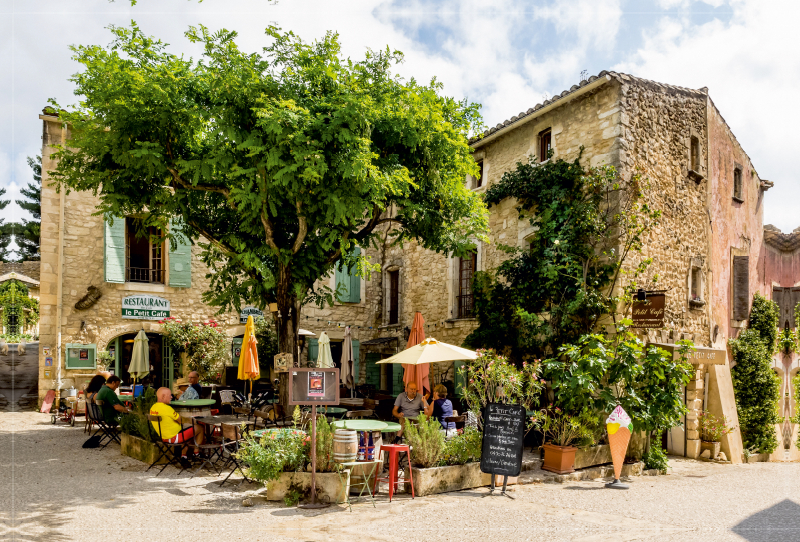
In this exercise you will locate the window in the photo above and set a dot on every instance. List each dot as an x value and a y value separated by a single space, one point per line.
144 259
394 297
545 144
479 178
466 274
737 184
695 154
741 287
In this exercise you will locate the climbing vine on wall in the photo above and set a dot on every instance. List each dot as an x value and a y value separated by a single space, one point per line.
755 384
17 309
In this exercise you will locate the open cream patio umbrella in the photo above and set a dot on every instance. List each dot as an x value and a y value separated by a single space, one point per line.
140 358
431 351
324 356
248 359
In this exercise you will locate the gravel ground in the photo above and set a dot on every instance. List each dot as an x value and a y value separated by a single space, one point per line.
54 490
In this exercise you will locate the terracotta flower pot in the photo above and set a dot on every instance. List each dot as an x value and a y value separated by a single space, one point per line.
559 459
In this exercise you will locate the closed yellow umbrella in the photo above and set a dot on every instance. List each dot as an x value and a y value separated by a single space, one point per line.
248 359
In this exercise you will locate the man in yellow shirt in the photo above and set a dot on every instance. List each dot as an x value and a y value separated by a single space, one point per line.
171 429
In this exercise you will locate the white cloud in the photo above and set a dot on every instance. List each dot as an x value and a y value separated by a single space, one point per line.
751 66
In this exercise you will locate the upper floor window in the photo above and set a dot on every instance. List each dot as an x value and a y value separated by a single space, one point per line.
479 178
545 144
393 300
466 275
144 258
695 154
738 192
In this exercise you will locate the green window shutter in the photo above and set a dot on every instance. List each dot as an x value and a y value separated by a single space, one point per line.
236 350
355 283
373 369
114 250
356 358
313 349
180 261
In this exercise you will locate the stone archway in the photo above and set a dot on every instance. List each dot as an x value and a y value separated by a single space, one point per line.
105 336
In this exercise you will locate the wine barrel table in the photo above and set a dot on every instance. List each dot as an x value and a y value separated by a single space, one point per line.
345 445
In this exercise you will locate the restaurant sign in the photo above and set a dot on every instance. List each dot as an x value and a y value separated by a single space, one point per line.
145 307
698 355
249 311
649 314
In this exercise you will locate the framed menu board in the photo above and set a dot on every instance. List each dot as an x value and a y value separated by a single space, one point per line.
313 386
503 435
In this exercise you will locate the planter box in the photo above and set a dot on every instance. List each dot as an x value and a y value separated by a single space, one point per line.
712 447
140 449
590 456
559 459
445 479
330 486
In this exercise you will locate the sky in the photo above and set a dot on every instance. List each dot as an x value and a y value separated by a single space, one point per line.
507 55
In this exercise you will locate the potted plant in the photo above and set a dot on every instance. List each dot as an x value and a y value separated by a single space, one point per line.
104 360
712 429
563 430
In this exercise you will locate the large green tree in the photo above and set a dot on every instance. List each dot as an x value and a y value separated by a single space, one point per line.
284 162
27 233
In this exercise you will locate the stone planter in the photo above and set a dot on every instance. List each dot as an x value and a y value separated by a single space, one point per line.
330 486
590 456
713 447
143 450
435 480
559 459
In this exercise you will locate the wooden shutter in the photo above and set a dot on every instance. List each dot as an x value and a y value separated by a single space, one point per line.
355 281
180 260
348 283
313 350
114 250
741 287
356 358
373 369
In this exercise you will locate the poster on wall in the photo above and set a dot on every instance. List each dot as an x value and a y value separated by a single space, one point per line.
649 313
145 307
48 361
46 350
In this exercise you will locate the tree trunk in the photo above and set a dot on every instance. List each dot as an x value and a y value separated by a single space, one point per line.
288 313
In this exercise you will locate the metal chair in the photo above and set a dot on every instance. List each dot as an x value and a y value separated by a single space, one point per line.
266 417
231 437
208 448
165 448
460 421
359 414
109 431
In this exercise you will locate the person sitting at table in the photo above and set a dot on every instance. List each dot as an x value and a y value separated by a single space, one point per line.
112 406
171 429
442 408
408 405
185 390
93 387
194 382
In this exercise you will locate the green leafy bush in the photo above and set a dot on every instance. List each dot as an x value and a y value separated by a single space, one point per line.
655 458
277 451
462 448
426 440
135 423
205 345
755 384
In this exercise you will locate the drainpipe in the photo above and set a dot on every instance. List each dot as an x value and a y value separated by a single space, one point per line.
60 283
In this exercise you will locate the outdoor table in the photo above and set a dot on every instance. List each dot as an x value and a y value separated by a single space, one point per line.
361 425
260 432
194 407
392 427
351 402
327 410
219 420
126 398
363 483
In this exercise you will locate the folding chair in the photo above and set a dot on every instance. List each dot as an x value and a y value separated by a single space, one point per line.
359 414
165 448
266 417
109 430
208 448
231 437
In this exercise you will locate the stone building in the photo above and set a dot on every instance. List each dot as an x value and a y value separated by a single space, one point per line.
83 255
705 250
28 274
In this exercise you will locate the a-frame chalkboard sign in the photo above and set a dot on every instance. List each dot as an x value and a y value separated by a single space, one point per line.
503 436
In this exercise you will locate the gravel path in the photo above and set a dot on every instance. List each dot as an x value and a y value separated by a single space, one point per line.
54 490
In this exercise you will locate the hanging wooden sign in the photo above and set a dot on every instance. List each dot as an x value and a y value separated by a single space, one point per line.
649 313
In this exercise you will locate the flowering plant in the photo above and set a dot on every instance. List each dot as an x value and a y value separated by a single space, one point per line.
562 428
204 344
492 379
712 429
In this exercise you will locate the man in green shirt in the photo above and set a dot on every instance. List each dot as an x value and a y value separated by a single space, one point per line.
112 406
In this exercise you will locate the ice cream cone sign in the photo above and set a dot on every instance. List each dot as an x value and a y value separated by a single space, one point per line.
619 428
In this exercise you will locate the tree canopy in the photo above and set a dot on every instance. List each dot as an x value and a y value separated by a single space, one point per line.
6 231
26 234
283 161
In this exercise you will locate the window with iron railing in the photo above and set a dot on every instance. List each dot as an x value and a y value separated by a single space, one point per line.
466 274
394 297
144 258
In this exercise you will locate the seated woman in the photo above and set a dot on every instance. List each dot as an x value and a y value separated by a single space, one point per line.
442 407
93 387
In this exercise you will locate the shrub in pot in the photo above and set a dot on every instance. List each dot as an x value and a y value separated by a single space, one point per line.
712 429
426 440
564 430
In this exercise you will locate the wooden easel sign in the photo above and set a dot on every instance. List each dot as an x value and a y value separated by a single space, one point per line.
503 436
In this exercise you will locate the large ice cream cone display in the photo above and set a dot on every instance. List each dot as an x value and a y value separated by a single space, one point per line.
619 428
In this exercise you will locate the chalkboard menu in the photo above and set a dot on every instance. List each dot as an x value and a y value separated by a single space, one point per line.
503 434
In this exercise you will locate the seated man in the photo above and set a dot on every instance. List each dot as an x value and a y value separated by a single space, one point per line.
171 429
185 390
194 382
408 405
112 406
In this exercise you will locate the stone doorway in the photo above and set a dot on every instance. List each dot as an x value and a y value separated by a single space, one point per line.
164 368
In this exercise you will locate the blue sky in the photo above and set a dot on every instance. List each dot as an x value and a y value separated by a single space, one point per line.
504 54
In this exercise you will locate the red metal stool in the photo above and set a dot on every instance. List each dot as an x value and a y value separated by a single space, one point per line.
394 460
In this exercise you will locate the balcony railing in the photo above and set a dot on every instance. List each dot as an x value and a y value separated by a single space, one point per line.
138 274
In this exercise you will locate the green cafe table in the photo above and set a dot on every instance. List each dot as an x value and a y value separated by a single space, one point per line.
193 407
365 426
328 410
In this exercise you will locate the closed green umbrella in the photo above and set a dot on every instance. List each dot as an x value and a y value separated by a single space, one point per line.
140 358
